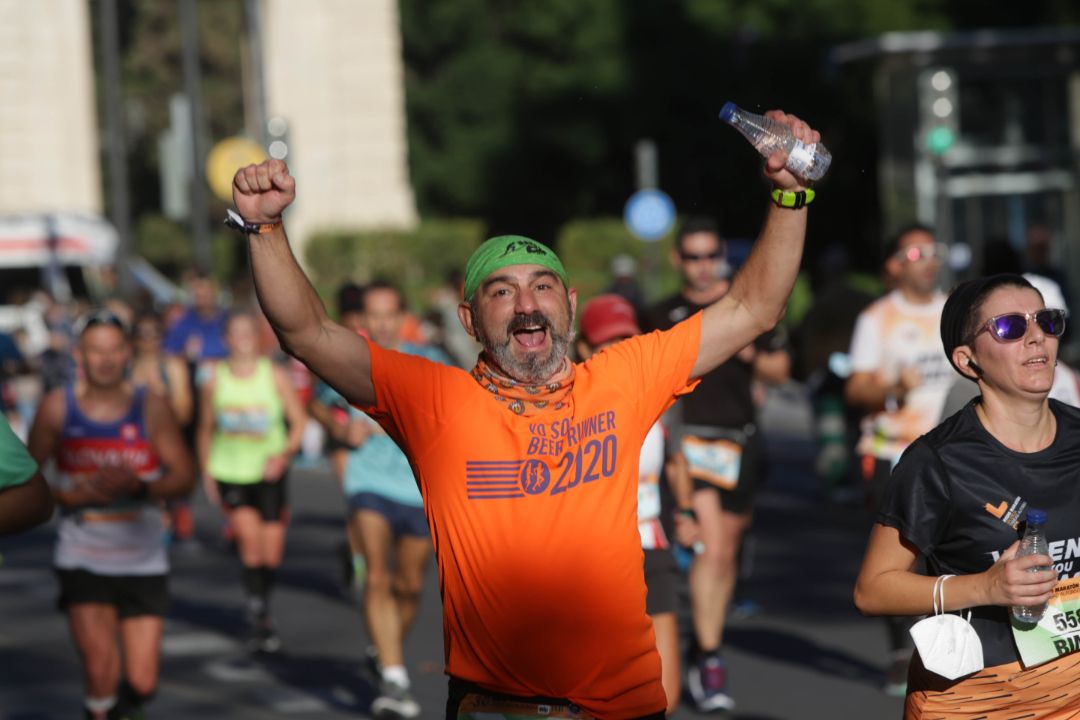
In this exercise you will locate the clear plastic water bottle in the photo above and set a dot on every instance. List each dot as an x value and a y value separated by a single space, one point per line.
1033 543
767 136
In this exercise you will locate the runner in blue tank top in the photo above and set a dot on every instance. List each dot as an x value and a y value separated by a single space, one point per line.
119 454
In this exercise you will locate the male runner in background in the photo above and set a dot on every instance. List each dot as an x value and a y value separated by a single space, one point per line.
716 430
119 454
386 513
331 411
900 377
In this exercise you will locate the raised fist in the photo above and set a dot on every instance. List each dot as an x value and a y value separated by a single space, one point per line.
262 192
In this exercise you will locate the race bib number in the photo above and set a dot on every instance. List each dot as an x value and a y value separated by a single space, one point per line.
475 706
1057 633
713 461
243 421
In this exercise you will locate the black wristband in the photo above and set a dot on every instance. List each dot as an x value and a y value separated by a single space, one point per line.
241 225
688 513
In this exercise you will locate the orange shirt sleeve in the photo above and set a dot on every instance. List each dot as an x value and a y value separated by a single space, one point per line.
412 397
653 368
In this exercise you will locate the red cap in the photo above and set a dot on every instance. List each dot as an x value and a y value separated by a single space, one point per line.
606 318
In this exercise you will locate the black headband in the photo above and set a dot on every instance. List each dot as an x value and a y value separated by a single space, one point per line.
954 316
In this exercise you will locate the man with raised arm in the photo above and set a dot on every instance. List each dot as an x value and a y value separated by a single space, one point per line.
528 463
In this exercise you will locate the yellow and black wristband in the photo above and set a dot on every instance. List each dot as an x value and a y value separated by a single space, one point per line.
793 200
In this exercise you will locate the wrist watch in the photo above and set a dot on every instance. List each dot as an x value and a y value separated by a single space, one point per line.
233 220
793 200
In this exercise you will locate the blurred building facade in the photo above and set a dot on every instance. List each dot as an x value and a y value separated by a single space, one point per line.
49 159
980 136
335 97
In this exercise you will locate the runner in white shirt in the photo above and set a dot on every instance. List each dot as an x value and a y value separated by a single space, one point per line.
900 377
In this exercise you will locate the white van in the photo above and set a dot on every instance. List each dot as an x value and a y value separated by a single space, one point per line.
67 254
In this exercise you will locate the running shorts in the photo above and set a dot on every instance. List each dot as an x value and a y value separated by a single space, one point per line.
133 595
268 498
403 519
661 579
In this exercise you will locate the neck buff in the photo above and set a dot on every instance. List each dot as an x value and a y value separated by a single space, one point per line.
522 399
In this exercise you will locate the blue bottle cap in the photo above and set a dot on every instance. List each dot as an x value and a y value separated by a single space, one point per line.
727 113
1036 517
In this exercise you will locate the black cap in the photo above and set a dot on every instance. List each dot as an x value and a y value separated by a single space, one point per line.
962 300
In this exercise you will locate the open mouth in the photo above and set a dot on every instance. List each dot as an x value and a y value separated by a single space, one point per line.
530 336
1037 363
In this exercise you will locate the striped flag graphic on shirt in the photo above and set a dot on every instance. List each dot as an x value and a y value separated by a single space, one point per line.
493 479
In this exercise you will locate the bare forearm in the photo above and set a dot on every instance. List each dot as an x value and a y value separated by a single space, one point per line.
296 436
285 294
759 292
202 448
25 506
866 392
682 486
764 283
176 483
902 592
77 496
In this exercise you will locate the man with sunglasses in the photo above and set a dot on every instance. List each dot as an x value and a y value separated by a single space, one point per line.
900 378
119 454
717 421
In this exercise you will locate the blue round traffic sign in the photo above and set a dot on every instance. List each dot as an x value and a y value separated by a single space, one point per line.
649 214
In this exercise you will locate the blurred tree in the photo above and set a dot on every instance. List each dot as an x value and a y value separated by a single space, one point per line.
525 114
152 73
512 105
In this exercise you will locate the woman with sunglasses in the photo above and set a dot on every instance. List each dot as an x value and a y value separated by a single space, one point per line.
958 498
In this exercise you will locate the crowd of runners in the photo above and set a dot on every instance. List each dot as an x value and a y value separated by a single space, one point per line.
623 439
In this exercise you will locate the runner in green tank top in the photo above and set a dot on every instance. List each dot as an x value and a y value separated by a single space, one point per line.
244 453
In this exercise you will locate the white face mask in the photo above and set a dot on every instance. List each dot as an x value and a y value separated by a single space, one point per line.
947 644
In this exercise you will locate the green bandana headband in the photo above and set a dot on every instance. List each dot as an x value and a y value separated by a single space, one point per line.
499 252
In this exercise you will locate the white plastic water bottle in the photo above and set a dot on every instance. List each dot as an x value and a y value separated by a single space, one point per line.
767 136
1033 543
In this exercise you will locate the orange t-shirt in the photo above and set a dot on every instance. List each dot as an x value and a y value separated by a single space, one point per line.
534 519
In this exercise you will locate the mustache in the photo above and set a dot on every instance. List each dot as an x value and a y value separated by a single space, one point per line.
535 318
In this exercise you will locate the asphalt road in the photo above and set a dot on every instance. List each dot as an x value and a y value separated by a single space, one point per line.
804 653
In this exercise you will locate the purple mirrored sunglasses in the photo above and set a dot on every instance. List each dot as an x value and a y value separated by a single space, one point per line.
1010 327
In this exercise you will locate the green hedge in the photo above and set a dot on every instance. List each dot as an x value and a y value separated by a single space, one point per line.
418 259
588 246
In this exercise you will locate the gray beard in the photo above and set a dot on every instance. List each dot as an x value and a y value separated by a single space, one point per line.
533 370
